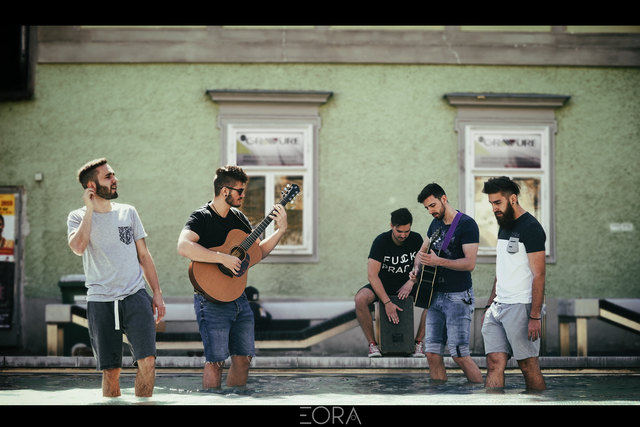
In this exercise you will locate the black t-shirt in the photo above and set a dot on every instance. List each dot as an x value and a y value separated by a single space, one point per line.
466 231
396 261
212 228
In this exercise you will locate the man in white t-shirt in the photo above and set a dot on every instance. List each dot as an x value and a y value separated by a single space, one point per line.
117 264
512 322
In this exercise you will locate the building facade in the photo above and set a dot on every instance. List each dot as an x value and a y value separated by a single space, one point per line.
361 118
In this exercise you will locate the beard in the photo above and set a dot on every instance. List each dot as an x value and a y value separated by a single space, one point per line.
439 215
399 239
230 201
506 218
106 192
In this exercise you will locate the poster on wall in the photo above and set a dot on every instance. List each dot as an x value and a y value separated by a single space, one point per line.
269 148
498 150
7 257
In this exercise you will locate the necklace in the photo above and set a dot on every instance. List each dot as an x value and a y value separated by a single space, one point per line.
213 206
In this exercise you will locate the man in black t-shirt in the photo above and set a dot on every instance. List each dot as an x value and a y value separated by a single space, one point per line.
391 258
227 328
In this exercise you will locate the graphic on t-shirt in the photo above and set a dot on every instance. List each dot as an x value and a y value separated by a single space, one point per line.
126 234
439 241
398 264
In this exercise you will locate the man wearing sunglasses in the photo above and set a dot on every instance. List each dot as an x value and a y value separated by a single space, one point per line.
227 328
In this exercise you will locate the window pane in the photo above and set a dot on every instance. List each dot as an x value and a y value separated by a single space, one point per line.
253 204
483 214
530 196
295 210
529 199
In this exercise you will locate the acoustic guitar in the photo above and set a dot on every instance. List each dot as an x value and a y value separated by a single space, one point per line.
219 284
427 279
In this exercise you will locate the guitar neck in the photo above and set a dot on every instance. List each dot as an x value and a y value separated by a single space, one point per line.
291 192
251 238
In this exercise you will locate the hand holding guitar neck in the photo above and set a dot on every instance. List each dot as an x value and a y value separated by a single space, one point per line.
279 215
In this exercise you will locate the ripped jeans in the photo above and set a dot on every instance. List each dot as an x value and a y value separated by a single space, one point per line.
227 329
449 321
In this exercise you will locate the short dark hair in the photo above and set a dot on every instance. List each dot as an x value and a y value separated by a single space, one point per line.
228 175
503 185
432 189
88 171
401 216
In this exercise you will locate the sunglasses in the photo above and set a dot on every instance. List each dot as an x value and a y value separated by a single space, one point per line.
239 190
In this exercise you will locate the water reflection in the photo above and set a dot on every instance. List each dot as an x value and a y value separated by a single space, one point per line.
313 389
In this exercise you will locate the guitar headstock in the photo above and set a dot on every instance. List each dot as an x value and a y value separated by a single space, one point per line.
289 193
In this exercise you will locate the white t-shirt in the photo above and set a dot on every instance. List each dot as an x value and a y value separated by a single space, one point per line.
110 261
513 273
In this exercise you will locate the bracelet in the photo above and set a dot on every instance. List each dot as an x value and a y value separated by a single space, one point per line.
535 318
387 302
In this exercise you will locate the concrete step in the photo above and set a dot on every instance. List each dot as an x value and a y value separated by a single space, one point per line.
302 363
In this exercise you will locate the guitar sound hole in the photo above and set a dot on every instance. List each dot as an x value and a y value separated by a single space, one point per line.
240 254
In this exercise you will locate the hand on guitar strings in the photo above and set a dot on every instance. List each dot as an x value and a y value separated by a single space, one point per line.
430 259
233 263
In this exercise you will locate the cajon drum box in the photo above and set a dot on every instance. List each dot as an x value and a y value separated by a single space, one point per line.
395 338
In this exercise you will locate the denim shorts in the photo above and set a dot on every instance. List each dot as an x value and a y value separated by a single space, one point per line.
448 321
506 330
227 329
134 319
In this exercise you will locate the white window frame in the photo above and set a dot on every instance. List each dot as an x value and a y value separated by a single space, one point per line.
273 112
487 221
270 173
507 114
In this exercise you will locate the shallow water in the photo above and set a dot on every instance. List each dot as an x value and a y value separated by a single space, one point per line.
320 389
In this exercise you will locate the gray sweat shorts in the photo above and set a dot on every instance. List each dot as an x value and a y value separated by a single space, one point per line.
505 330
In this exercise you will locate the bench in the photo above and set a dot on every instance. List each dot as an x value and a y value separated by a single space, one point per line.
295 324
624 313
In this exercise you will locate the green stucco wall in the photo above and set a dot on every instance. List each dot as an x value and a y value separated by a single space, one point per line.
386 132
